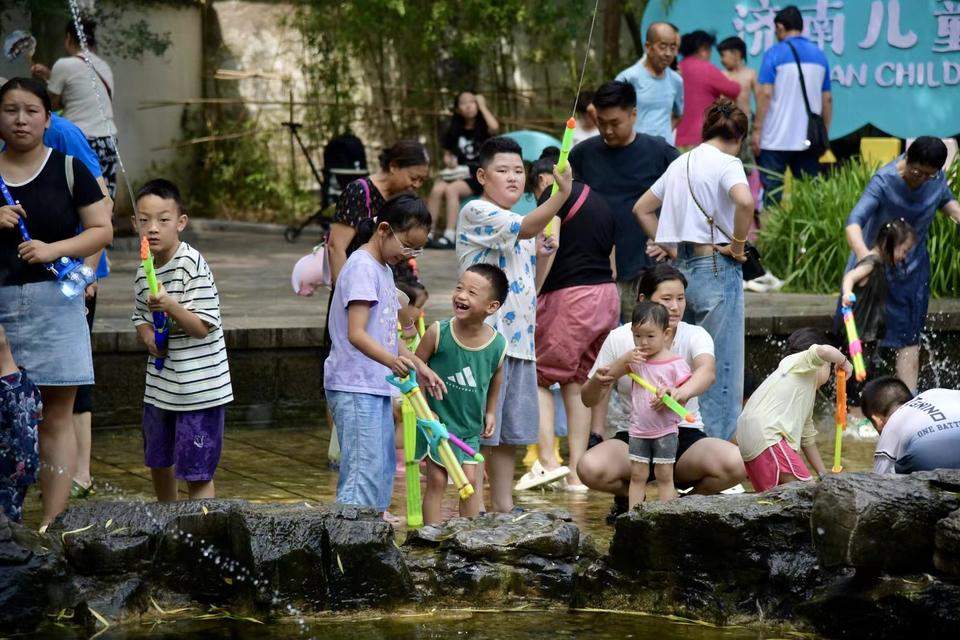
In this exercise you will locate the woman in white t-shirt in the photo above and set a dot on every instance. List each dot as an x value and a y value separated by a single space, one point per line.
708 465
705 211
82 83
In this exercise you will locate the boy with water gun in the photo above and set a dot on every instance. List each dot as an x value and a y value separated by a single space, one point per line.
188 378
467 353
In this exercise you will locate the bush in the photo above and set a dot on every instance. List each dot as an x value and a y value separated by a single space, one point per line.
803 242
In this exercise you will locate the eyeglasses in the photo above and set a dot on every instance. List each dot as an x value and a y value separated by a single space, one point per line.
406 251
921 175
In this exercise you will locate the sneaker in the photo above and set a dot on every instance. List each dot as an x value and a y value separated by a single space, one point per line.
442 242
538 476
595 439
734 490
575 488
620 505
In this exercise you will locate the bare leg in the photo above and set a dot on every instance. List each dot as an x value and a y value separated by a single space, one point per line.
664 475
578 427
471 506
201 489
547 437
908 365
433 493
606 467
639 471
81 427
7 364
598 419
455 191
58 450
434 202
500 463
710 465
164 484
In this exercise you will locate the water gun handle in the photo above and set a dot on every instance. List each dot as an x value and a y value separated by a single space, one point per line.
841 419
856 347
565 146
672 404
467 449
405 385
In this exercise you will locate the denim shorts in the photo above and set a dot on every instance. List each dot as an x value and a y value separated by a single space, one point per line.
48 334
188 441
662 450
518 410
367 455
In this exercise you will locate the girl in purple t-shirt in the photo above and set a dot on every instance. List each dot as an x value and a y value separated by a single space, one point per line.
363 330
653 427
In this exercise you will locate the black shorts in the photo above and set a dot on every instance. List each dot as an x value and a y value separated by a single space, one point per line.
83 401
687 437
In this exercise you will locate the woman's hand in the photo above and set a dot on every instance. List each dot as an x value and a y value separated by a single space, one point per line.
660 252
489 425
727 250
603 378
40 71
37 252
10 216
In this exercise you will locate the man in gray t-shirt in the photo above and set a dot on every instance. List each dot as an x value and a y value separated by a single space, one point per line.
916 434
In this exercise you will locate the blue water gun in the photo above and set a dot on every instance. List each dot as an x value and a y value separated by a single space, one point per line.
161 324
74 276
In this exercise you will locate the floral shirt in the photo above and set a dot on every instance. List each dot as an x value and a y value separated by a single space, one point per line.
354 206
491 235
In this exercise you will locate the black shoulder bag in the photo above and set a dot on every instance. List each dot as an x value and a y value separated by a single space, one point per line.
752 268
817 137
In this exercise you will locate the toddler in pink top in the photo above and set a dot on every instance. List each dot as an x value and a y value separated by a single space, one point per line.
653 427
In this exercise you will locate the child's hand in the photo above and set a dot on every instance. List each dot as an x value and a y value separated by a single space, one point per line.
163 301
846 300
10 216
674 392
847 367
36 252
150 340
401 366
546 245
564 180
434 384
489 425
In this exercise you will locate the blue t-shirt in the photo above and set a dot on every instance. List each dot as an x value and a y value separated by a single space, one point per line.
657 99
887 197
621 175
785 126
68 139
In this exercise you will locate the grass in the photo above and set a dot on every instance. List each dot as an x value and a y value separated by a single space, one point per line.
802 240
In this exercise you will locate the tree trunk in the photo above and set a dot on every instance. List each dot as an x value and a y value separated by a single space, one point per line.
633 14
612 17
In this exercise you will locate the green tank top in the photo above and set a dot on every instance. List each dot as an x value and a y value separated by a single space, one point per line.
467 373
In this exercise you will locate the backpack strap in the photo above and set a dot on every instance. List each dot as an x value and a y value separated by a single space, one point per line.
366 195
803 84
102 79
68 171
575 209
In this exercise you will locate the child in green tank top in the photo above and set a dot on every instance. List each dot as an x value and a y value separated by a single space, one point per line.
467 354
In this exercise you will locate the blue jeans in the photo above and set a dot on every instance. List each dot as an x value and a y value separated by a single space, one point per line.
801 163
715 302
367 455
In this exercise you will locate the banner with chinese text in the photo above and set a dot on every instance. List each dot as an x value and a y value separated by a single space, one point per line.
894 63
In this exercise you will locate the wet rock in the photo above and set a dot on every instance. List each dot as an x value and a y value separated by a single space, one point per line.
118 599
362 562
882 523
946 553
33 578
533 554
719 556
889 608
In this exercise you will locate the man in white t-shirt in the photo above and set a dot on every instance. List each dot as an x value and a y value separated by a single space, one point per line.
916 434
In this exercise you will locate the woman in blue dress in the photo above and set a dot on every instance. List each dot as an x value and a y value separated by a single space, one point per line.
912 187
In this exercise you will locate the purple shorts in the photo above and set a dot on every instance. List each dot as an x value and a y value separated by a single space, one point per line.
190 441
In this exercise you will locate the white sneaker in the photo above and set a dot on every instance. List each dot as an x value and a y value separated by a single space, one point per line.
734 490
539 476
575 488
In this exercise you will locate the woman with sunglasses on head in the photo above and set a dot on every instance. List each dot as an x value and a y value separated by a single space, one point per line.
363 327
912 187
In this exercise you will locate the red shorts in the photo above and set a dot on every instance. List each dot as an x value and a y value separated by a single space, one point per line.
764 470
572 324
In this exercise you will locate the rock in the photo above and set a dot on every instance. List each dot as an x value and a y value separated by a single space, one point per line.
882 523
717 556
946 550
363 564
534 554
118 600
33 578
891 608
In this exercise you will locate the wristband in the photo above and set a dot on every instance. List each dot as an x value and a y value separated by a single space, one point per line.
740 240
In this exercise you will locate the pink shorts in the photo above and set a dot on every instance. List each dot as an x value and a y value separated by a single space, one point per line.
764 470
572 324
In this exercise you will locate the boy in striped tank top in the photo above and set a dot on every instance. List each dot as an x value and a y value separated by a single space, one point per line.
184 402
468 355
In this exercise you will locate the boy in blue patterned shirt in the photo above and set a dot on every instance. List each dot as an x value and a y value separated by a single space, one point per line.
489 232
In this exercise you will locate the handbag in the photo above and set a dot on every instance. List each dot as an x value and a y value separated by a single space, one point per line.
818 139
752 267
313 270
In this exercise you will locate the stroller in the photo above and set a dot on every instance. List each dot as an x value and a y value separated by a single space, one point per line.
344 160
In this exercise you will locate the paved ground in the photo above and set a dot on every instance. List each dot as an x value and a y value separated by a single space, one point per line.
252 271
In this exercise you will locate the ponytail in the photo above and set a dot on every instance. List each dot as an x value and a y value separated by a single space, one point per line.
403 154
891 235
402 212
